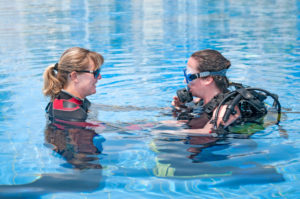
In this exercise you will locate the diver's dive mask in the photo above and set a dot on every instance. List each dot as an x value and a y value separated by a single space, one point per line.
184 94
189 77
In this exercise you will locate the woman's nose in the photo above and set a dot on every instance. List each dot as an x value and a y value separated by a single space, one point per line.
99 77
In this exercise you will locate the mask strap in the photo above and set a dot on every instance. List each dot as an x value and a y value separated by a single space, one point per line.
207 73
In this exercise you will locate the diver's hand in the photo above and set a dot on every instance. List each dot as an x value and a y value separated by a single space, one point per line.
176 103
196 100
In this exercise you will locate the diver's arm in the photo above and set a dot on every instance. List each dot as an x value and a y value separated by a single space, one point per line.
207 129
231 119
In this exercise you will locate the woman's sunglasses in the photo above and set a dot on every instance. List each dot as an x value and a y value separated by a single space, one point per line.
96 73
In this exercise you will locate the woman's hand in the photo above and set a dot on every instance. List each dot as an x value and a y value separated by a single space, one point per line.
176 103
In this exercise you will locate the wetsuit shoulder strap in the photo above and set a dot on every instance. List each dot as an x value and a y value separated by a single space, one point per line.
212 104
86 104
68 108
48 107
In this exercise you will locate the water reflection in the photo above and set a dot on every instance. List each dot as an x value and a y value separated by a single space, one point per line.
81 181
80 147
229 162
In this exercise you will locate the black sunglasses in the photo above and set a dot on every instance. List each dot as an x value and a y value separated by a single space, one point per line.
96 73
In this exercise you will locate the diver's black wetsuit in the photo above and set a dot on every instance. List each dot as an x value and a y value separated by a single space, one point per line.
200 114
206 114
249 101
66 107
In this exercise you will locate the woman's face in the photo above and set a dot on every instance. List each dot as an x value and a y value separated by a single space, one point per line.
87 82
196 86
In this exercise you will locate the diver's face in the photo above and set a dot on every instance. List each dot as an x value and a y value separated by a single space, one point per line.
195 86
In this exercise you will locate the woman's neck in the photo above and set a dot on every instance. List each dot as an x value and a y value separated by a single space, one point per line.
209 95
73 92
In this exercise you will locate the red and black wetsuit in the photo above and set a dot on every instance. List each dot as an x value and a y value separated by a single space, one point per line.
68 109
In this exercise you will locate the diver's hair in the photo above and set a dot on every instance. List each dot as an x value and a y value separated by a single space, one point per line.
212 60
73 59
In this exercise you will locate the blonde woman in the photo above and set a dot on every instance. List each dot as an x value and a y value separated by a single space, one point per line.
69 82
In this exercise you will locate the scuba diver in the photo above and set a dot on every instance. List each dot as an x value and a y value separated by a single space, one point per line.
217 105
69 82
210 107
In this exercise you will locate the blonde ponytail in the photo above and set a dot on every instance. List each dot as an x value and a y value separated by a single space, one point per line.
52 85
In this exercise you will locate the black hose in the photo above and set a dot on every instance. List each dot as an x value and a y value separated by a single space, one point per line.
237 99
230 107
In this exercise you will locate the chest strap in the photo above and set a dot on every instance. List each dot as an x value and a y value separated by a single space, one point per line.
213 104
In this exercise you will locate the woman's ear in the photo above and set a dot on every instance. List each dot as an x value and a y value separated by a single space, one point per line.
73 76
209 80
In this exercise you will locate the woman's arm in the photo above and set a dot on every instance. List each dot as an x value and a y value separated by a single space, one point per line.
209 126
207 129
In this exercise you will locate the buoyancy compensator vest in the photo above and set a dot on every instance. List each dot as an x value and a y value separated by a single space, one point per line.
67 108
250 101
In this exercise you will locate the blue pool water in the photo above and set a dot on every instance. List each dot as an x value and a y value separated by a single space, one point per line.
146 45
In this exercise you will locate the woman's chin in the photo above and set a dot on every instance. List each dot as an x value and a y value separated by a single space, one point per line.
91 92
94 90
195 95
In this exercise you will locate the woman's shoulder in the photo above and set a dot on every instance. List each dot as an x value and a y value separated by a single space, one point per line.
67 107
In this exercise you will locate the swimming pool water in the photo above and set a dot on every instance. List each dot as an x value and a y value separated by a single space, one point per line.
146 45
